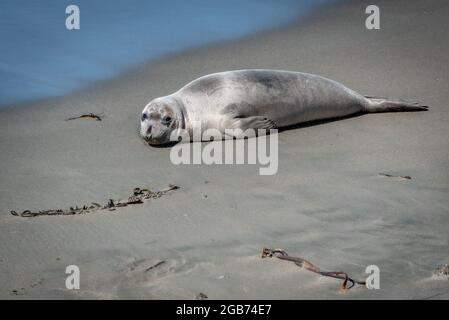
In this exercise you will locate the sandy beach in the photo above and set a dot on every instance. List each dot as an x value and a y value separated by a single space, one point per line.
327 203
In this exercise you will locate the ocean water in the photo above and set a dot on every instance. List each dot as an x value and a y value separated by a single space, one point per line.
40 57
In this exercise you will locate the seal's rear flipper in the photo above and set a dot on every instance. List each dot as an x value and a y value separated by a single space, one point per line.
378 104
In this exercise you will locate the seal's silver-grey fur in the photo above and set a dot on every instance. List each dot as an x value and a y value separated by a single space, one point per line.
256 99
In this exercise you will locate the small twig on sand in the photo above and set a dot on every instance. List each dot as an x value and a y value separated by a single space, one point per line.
155 266
87 115
393 176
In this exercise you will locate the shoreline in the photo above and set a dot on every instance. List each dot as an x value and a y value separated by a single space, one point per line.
327 203
78 64
145 67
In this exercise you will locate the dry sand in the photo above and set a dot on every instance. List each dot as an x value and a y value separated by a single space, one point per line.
327 202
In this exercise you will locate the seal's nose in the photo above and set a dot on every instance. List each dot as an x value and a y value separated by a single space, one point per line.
149 130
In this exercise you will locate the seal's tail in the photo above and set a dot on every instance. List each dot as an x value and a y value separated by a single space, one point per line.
378 104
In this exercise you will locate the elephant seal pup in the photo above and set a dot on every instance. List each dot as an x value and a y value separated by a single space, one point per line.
255 99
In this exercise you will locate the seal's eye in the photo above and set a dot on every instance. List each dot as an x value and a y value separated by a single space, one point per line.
144 116
166 120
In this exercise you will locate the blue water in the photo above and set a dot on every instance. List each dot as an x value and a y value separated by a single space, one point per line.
40 58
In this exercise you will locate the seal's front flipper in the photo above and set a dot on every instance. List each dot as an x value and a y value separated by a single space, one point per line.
241 110
248 127
257 123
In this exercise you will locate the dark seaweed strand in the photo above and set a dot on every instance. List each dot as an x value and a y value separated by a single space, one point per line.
138 196
300 262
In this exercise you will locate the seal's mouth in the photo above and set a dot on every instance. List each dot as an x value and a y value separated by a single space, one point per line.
160 144
162 141
151 141
156 141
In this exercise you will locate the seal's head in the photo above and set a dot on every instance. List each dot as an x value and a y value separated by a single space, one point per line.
160 118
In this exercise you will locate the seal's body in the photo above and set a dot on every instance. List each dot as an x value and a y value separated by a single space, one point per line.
256 99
